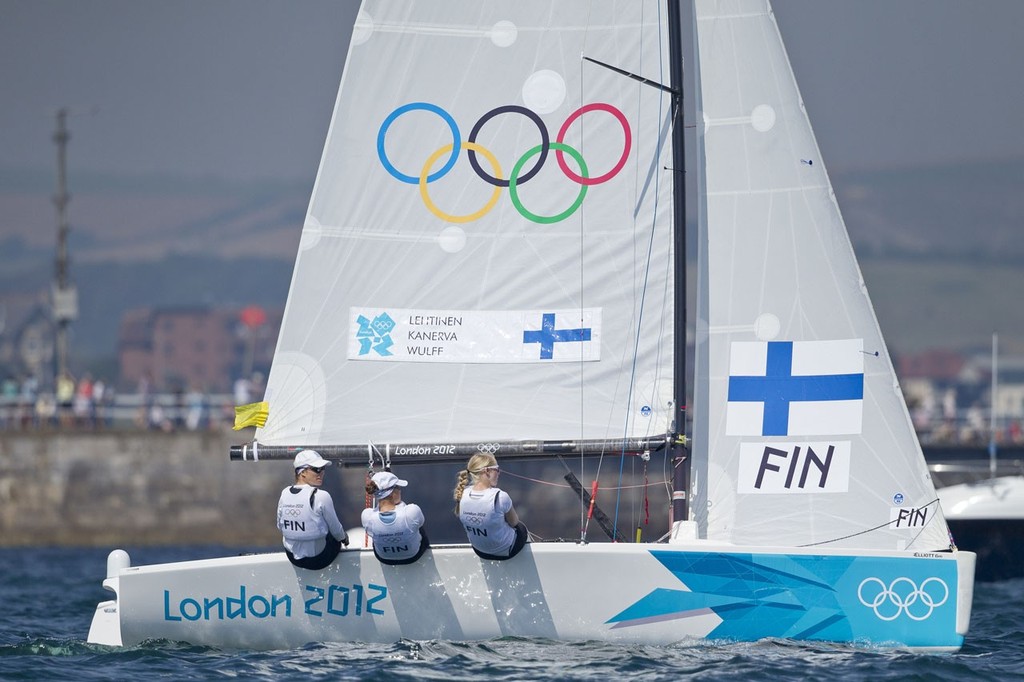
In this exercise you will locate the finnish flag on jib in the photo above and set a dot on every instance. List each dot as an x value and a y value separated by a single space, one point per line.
795 388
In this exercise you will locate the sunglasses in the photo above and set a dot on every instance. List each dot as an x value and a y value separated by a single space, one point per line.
316 470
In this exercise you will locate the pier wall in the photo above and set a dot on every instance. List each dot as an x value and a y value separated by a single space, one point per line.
124 488
128 487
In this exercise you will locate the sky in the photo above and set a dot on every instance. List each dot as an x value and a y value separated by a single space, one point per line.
242 90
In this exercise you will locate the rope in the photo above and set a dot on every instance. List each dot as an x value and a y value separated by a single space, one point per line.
868 530
506 472
643 295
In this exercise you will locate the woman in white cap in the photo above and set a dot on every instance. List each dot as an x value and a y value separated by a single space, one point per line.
311 531
486 512
395 527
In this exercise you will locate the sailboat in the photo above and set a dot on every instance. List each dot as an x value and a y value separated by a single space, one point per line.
493 260
986 512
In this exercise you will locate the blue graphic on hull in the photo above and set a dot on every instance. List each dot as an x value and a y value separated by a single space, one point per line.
831 598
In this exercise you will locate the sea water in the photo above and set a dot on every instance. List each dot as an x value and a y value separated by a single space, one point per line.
49 596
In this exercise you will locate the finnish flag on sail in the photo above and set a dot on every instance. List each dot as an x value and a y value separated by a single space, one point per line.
795 388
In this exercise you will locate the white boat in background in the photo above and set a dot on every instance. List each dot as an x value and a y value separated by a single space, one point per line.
985 507
493 259
987 517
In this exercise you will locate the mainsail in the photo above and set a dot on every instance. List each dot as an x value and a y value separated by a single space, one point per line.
487 251
802 434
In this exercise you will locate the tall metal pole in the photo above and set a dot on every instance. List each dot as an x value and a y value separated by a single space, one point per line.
680 453
65 301
992 405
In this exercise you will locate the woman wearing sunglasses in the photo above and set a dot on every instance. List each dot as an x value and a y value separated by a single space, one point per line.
312 533
486 512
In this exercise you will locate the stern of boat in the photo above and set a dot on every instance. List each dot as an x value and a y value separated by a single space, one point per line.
106 621
965 563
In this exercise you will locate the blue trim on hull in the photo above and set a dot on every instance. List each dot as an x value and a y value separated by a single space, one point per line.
907 601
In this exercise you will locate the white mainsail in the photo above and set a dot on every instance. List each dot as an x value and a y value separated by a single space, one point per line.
802 436
431 304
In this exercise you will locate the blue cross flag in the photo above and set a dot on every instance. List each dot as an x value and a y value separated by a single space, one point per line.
548 336
795 388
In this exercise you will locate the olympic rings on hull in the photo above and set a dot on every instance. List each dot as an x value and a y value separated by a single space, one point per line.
517 177
903 596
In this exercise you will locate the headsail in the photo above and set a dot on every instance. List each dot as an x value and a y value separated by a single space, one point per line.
801 431
486 253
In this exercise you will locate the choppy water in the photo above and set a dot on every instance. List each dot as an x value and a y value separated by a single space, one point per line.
49 596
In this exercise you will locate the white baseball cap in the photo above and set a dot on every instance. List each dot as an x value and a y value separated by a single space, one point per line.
386 482
310 458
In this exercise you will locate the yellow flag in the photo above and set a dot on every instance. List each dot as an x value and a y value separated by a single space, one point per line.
253 414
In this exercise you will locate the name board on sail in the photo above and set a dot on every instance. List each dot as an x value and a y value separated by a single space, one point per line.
474 336
794 467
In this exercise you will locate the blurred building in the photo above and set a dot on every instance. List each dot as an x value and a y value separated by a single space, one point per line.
195 347
27 337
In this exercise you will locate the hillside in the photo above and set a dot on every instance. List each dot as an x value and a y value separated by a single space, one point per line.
941 248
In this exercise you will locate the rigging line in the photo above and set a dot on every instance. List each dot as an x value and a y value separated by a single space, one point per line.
869 530
643 292
582 367
506 472
582 232
583 291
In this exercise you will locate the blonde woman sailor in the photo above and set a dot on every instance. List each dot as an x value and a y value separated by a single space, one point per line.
486 512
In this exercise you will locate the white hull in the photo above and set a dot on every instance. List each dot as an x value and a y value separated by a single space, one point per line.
999 498
987 517
653 594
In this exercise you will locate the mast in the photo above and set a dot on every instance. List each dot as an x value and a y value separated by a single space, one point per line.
680 454
65 301
992 404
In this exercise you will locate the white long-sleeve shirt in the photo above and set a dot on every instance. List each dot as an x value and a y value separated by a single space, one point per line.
305 515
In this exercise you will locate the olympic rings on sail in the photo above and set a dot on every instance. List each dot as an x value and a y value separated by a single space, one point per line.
903 595
511 108
517 177
424 180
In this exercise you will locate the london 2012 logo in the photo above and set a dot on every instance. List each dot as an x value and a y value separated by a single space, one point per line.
375 334
517 177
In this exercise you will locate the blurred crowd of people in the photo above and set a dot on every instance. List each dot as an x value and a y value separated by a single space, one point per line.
939 420
89 403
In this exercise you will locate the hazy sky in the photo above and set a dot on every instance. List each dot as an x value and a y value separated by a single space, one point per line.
243 89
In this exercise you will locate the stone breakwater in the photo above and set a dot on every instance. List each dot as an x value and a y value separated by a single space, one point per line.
124 488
